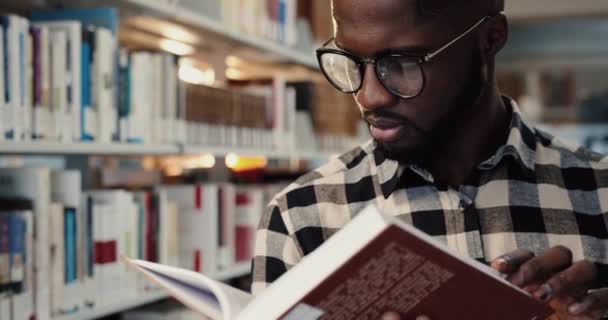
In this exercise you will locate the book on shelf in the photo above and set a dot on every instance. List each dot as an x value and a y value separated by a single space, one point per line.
73 238
373 265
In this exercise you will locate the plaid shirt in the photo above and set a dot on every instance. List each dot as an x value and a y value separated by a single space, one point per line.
536 192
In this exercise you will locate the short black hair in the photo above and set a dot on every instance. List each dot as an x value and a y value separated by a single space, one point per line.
430 8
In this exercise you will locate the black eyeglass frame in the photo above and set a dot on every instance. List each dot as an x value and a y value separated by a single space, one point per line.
362 62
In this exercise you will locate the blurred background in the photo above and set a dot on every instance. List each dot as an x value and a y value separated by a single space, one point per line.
122 121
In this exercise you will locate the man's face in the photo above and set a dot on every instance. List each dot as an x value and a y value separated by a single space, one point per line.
410 128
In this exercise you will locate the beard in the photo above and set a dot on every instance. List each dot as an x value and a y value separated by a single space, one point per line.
447 126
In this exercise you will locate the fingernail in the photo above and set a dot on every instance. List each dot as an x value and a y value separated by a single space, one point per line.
544 292
575 308
517 279
578 307
502 261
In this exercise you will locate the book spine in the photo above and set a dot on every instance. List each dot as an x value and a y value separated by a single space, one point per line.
124 92
37 132
28 82
3 75
5 279
89 113
17 257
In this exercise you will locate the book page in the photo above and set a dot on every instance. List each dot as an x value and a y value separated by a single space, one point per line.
200 293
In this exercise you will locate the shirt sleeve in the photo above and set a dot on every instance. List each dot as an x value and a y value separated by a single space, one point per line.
276 250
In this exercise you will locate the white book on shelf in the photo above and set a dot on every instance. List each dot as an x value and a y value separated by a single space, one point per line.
248 213
167 243
34 184
59 100
12 28
170 99
28 73
104 270
56 260
290 118
73 75
66 189
291 32
41 115
198 225
5 306
226 226
139 120
88 251
21 123
116 237
103 89
158 99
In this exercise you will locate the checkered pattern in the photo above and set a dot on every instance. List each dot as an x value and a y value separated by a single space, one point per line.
536 192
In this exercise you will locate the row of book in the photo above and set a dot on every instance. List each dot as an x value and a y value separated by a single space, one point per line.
275 20
63 79
60 246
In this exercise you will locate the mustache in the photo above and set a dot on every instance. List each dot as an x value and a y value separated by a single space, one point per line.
367 115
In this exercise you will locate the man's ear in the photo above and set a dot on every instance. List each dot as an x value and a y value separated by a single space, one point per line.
496 36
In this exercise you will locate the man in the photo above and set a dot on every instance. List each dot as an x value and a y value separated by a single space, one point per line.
449 155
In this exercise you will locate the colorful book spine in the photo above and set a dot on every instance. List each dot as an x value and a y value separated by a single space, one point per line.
17 234
4 252
88 114
70 239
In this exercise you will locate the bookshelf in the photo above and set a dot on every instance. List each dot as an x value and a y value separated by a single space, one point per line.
58 148
80 148
123 304
126 304
198 20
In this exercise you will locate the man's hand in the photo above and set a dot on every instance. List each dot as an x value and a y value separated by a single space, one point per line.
553 278
396 316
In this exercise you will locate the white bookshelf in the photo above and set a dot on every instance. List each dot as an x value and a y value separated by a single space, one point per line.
126 304
238 270
80 148
173 11
121 305
93 148
278 154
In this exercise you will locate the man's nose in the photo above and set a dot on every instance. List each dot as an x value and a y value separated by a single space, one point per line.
373 95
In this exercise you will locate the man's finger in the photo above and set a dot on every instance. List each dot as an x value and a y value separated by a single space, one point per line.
540 268
573 282
510 262
597 300
396 316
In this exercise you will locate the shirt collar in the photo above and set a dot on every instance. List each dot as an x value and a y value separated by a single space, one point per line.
520 147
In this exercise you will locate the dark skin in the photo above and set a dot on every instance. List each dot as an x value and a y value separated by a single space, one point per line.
460 113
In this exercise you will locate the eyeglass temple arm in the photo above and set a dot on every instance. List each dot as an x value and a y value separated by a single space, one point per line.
432 55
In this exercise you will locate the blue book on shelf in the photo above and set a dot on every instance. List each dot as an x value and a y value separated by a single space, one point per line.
124 92
16 245
282 20
70 245
86 61
4 253
99 17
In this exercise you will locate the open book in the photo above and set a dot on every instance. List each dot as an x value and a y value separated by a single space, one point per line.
373 265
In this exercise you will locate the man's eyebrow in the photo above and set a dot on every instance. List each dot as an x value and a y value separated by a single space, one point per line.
413 49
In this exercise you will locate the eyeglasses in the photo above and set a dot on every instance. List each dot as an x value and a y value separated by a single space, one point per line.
400 73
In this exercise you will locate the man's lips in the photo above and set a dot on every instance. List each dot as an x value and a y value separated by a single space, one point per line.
385 129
